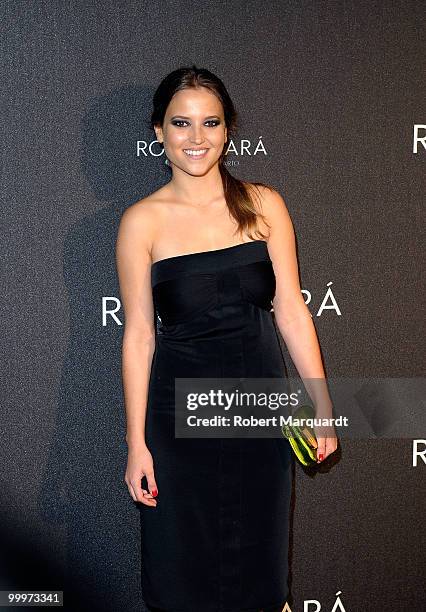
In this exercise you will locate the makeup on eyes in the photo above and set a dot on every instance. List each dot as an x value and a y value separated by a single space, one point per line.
176 120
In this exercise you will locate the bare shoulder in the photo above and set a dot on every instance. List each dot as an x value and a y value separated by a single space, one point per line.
266 196
271 204
146 209
143 218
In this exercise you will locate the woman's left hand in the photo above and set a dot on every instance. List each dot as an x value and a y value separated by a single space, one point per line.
326 438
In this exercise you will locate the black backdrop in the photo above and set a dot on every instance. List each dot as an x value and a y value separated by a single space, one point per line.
334 91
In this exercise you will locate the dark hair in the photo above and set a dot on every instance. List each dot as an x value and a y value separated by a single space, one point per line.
238 194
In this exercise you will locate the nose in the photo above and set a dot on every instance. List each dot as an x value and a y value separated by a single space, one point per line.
196 135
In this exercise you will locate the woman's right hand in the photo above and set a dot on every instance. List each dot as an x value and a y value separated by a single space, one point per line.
140 464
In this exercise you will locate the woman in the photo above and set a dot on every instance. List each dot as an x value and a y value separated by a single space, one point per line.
209 256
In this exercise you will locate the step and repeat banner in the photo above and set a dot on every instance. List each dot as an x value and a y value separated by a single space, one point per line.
330 97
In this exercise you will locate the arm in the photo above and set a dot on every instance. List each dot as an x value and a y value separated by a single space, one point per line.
133 259
134 269
291 313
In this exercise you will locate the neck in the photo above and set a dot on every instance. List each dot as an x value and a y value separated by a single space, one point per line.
199 190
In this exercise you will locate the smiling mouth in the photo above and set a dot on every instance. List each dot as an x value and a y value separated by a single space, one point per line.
195 153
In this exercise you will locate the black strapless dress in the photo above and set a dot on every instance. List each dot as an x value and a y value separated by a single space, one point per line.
218 539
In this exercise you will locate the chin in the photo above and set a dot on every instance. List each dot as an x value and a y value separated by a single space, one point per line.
199 172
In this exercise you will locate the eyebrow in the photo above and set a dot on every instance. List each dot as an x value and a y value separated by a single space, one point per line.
183 117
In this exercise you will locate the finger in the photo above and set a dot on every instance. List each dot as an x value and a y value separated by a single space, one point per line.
137 487
149 502
147 494
131 491
321 450
152 485
331 445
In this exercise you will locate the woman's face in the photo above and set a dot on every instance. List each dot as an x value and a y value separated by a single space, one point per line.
194 131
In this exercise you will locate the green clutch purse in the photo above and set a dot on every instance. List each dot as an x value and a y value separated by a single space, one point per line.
302 437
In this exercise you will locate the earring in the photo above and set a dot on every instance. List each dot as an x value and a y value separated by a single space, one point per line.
166 161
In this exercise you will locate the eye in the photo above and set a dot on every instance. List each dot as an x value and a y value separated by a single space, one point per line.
211 122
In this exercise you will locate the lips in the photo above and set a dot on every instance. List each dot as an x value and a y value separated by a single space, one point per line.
195 153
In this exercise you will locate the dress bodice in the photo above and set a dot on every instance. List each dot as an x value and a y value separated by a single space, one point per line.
186 286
